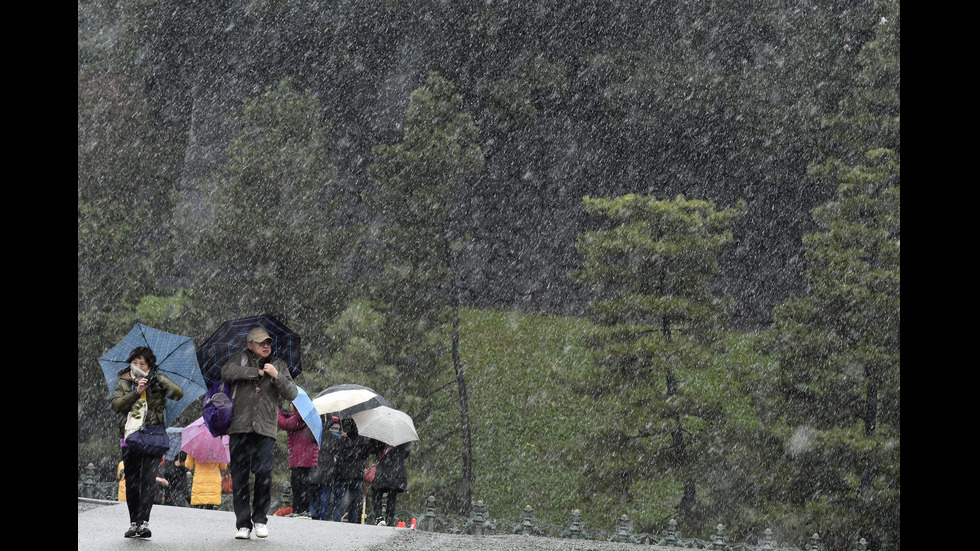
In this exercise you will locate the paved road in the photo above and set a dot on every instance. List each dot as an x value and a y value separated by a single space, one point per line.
101 525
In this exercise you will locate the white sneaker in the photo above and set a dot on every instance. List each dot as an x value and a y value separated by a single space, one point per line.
261 530
243 534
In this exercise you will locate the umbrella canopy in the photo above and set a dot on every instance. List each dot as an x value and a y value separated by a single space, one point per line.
391 426
344 400
231 338
304 405
175 358
197 441
173 433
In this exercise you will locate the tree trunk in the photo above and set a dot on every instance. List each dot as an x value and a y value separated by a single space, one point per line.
870 422
465 487
689 498
466 482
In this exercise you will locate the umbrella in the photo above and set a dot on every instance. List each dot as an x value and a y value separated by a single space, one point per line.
344 400
309 413
230 338
389 425
175 357
174 434
197 441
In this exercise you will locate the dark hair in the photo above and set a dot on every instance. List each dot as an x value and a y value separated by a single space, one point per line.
147 353
347 425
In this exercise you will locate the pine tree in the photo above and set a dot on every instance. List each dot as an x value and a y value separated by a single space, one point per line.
656 317
415 185
839 348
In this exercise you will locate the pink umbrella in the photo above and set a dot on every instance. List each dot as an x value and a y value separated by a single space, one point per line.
197 441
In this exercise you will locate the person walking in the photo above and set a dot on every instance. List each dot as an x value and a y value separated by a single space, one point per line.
390 479
350 472
259 382
323 477
141 395
303 450
206 483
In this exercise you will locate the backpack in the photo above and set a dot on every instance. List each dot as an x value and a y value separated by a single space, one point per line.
219 403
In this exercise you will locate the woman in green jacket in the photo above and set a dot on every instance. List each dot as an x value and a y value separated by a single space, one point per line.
141 396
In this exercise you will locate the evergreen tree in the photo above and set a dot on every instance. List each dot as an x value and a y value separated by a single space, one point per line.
123 203
840 356
415 185
870 117
272 244
656 317
838 343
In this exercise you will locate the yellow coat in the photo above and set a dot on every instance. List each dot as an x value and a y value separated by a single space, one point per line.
206 484
122 481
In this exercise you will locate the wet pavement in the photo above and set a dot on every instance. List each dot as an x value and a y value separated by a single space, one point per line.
101 525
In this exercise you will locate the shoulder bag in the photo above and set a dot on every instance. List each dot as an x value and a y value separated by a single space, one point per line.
373 469
148 439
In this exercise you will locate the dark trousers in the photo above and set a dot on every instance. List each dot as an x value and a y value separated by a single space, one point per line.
337 504
251 453
141 483
389 497
299 482
320 507
354 500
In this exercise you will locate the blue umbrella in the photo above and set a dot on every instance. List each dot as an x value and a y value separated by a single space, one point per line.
304 405
175 357
230 338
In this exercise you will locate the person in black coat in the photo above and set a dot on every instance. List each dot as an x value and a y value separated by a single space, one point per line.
349 472
323 477
178 492
390 479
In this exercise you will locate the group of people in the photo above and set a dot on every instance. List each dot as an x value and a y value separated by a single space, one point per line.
322 475
326 478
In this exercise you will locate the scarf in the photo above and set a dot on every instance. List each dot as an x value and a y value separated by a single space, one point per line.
136 372
134 420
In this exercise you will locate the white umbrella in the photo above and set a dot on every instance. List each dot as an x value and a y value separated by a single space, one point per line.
389 425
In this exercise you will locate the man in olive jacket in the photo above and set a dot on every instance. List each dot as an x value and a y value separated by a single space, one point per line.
258 382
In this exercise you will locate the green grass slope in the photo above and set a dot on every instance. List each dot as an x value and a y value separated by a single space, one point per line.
525 417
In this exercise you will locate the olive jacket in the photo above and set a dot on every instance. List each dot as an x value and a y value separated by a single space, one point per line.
256 411
125 398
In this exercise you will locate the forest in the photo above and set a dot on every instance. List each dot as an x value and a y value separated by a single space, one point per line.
679 180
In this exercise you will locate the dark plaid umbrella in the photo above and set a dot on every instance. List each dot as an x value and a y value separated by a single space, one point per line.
230 338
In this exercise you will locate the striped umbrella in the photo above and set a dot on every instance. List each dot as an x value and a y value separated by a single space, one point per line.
345 400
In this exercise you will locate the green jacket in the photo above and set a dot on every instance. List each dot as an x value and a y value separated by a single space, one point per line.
125 397
256 411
